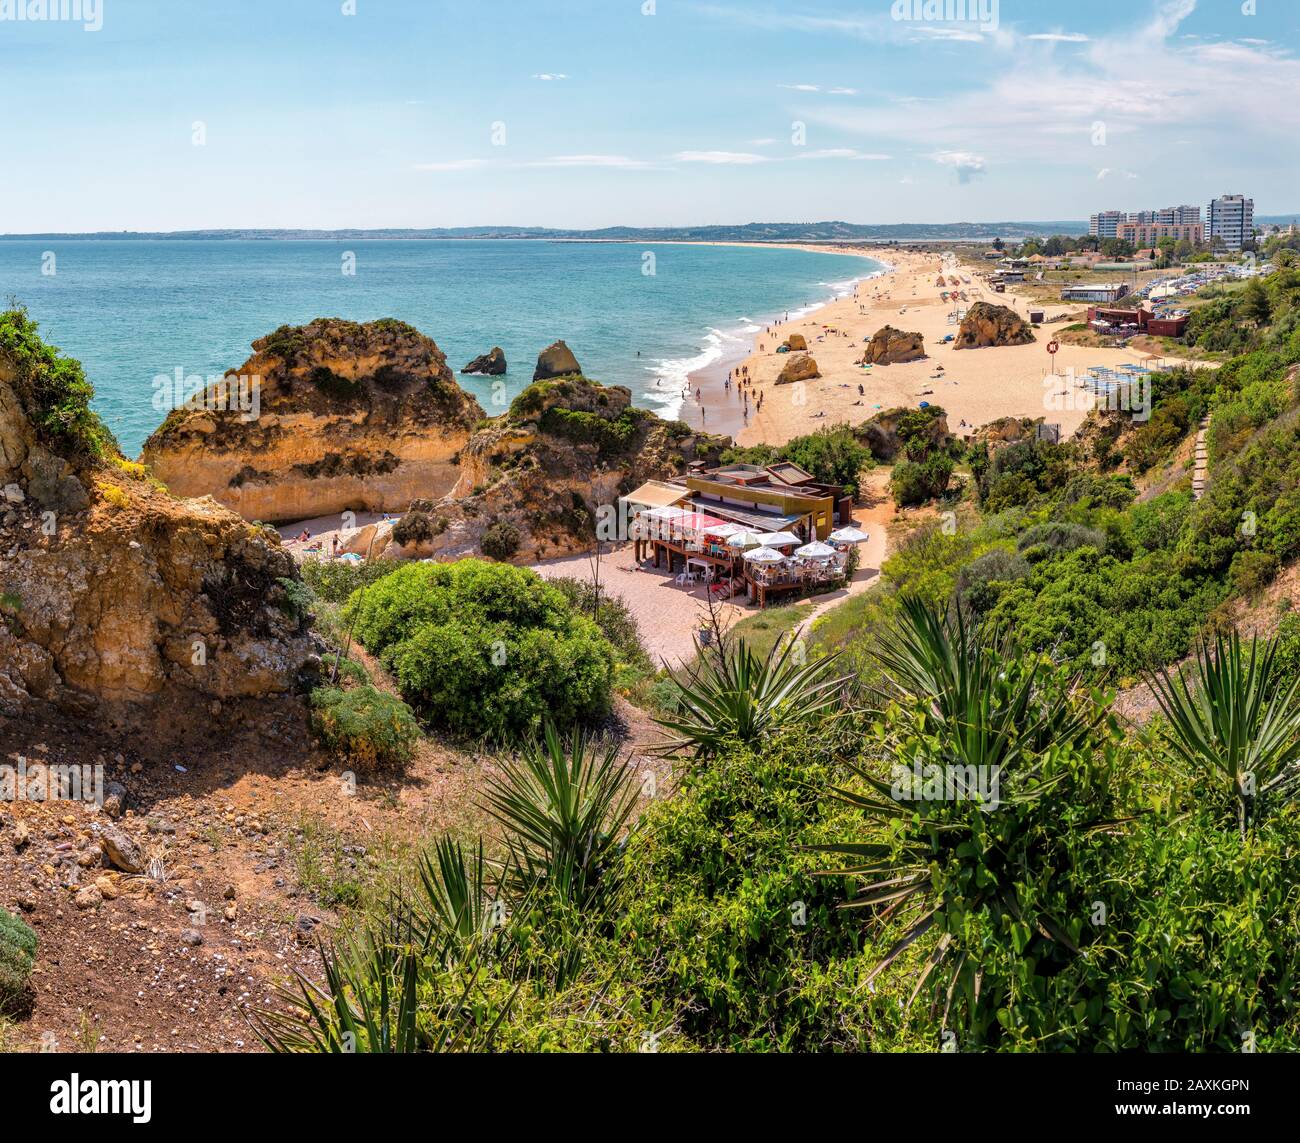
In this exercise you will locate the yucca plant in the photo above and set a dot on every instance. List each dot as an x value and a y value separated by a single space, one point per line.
1237 726
989 755
457 894
563 805
412 982
376 1000
982 711
731 695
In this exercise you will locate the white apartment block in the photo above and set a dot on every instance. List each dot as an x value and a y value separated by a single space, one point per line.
1105 224
1232 218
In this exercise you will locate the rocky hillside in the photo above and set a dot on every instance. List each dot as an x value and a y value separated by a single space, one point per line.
347 416
113 594
532 480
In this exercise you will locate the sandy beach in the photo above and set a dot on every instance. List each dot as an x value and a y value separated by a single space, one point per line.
974 386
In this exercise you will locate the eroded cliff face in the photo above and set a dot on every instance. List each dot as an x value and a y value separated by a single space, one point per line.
343 416
539 474
113 594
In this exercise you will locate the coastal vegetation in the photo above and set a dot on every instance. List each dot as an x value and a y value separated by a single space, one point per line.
17 956
485 650
929 826
807 887
366 727
55 390
833 455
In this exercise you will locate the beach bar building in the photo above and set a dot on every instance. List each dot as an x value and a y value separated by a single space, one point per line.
779 497
695 526
1145 321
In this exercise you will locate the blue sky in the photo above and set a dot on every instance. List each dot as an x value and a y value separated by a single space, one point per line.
586 113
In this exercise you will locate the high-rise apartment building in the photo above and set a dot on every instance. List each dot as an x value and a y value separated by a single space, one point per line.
1105 224
1232 218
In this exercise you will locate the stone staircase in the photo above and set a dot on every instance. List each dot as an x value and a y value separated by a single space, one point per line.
1202 464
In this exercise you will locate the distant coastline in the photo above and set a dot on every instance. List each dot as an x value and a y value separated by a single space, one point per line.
756 233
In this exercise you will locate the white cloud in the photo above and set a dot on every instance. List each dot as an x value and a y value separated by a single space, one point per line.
1060 37
958 35
799 86
843 91
613 162
551 77
1101 174
843 153
453 165
1148 85
762 142
720 158
966 163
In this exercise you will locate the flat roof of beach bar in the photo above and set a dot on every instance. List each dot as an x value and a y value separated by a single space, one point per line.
748 518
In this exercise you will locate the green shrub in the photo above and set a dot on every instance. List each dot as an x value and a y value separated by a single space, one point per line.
833 455
1058 536
612 615
500 541
418 527
335 580
17 956
914 482
55 390
296 599
486 649
368 727
979 583
1253 571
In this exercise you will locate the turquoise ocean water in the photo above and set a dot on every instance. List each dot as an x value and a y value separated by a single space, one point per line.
132 310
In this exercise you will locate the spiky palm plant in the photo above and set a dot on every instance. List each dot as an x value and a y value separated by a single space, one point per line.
963 713
412 982
457 895
563 806
1237 726
730 694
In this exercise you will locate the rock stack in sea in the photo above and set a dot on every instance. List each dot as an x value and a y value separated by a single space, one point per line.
347 416
491 364
556 361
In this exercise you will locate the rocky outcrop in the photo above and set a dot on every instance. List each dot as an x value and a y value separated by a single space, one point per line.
887 434
336 416
556 361
988 325
114 595
800 368
797 343
535 479
489 365
890 346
